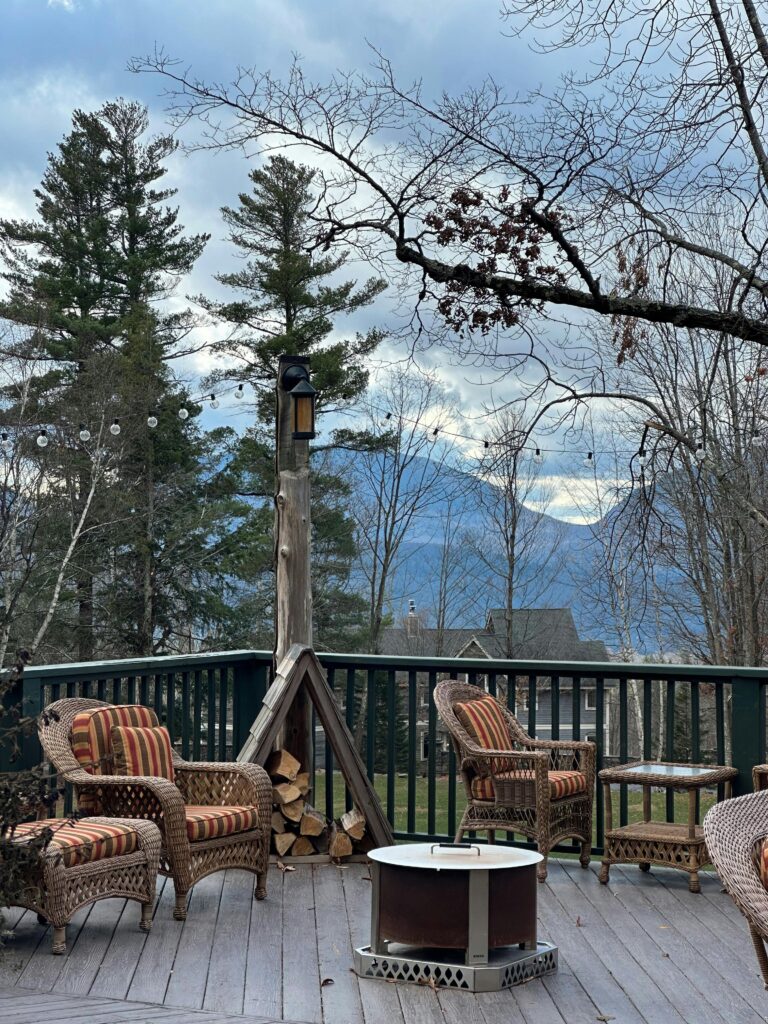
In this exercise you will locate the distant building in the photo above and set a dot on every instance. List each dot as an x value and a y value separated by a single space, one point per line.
538 634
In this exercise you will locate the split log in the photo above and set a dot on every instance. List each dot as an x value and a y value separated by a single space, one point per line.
283 765
339 845
286 793
302 781
294 810
312 822
322 841
353 823
302 847
278 822
366 844
283 842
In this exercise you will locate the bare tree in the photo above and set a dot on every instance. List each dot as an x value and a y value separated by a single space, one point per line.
585 202
400 485
519 545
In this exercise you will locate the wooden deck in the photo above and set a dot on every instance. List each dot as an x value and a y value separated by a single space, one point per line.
641 951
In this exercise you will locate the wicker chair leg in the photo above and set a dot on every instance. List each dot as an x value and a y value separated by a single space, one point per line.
260 892
541 870
59 946
762 957
584 856
644 865
605 869
180 907
146 916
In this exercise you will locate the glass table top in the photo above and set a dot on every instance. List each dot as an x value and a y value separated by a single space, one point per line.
683 771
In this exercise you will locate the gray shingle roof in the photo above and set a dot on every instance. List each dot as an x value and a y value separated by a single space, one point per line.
547 634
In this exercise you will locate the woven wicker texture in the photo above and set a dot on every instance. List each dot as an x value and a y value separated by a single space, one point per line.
735 831
62 890
520 779
211 784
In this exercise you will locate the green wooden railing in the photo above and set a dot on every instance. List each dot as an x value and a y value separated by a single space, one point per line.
208 701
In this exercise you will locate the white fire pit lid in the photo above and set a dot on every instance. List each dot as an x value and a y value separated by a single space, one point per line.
448 857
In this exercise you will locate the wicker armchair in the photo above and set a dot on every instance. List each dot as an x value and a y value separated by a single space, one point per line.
200 784
734 831
516 789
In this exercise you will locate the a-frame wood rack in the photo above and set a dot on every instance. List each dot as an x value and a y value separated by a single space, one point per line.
301 668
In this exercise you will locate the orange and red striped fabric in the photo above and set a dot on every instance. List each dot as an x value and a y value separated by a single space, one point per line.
213 822
81 842
484 720
142 750
561 784
91 735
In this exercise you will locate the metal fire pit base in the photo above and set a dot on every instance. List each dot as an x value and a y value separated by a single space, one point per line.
505 967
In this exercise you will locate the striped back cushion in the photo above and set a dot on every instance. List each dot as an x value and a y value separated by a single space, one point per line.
142 750
762 854
484 721
91 735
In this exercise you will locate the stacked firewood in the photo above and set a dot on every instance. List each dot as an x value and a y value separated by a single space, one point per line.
298 828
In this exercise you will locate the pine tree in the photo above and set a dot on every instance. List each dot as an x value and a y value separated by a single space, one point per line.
85 279
289 298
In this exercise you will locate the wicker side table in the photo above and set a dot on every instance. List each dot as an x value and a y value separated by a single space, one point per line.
667 844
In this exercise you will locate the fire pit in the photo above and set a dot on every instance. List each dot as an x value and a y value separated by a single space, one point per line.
458 914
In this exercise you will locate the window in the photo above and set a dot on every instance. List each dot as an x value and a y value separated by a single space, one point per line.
590 700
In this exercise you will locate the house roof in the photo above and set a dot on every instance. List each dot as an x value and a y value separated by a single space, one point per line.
546 634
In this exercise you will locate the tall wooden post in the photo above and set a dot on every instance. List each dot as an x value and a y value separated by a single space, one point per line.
293 602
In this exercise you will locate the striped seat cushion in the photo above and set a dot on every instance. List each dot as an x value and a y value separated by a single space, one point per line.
82 842
213 822
561 784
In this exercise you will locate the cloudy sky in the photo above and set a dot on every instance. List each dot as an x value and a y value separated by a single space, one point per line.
63 54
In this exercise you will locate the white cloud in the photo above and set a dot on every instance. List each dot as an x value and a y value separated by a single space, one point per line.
66 5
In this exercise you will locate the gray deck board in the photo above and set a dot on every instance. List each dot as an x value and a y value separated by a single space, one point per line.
642 950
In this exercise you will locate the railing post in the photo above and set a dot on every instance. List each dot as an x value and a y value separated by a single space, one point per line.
747 729
249 684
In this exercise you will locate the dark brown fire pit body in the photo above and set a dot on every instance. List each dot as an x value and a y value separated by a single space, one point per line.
431 900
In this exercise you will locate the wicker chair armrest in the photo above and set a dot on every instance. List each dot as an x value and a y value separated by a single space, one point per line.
222 783
491 762
731 831
760 777
583 755
150 796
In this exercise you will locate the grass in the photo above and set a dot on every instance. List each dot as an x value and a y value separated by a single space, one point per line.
445 828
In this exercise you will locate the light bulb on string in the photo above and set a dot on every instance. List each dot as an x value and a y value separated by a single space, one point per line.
433 436
5 442
115 428
84 434
42 439
239 393
183 413
152 420
700 454
755 439
214 402
589 462
641 459
486 445
538 458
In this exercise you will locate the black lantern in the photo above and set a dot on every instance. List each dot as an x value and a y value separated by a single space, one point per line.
295 380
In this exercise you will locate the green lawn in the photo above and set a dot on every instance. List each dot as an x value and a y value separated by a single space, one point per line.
442 825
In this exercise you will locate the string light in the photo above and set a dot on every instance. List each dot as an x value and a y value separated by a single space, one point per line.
641 459
214 402
700 453
85 434
42 439
115 428
183 413
239 393
755 440
486 445
152 420
538 458
5 442
589 462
